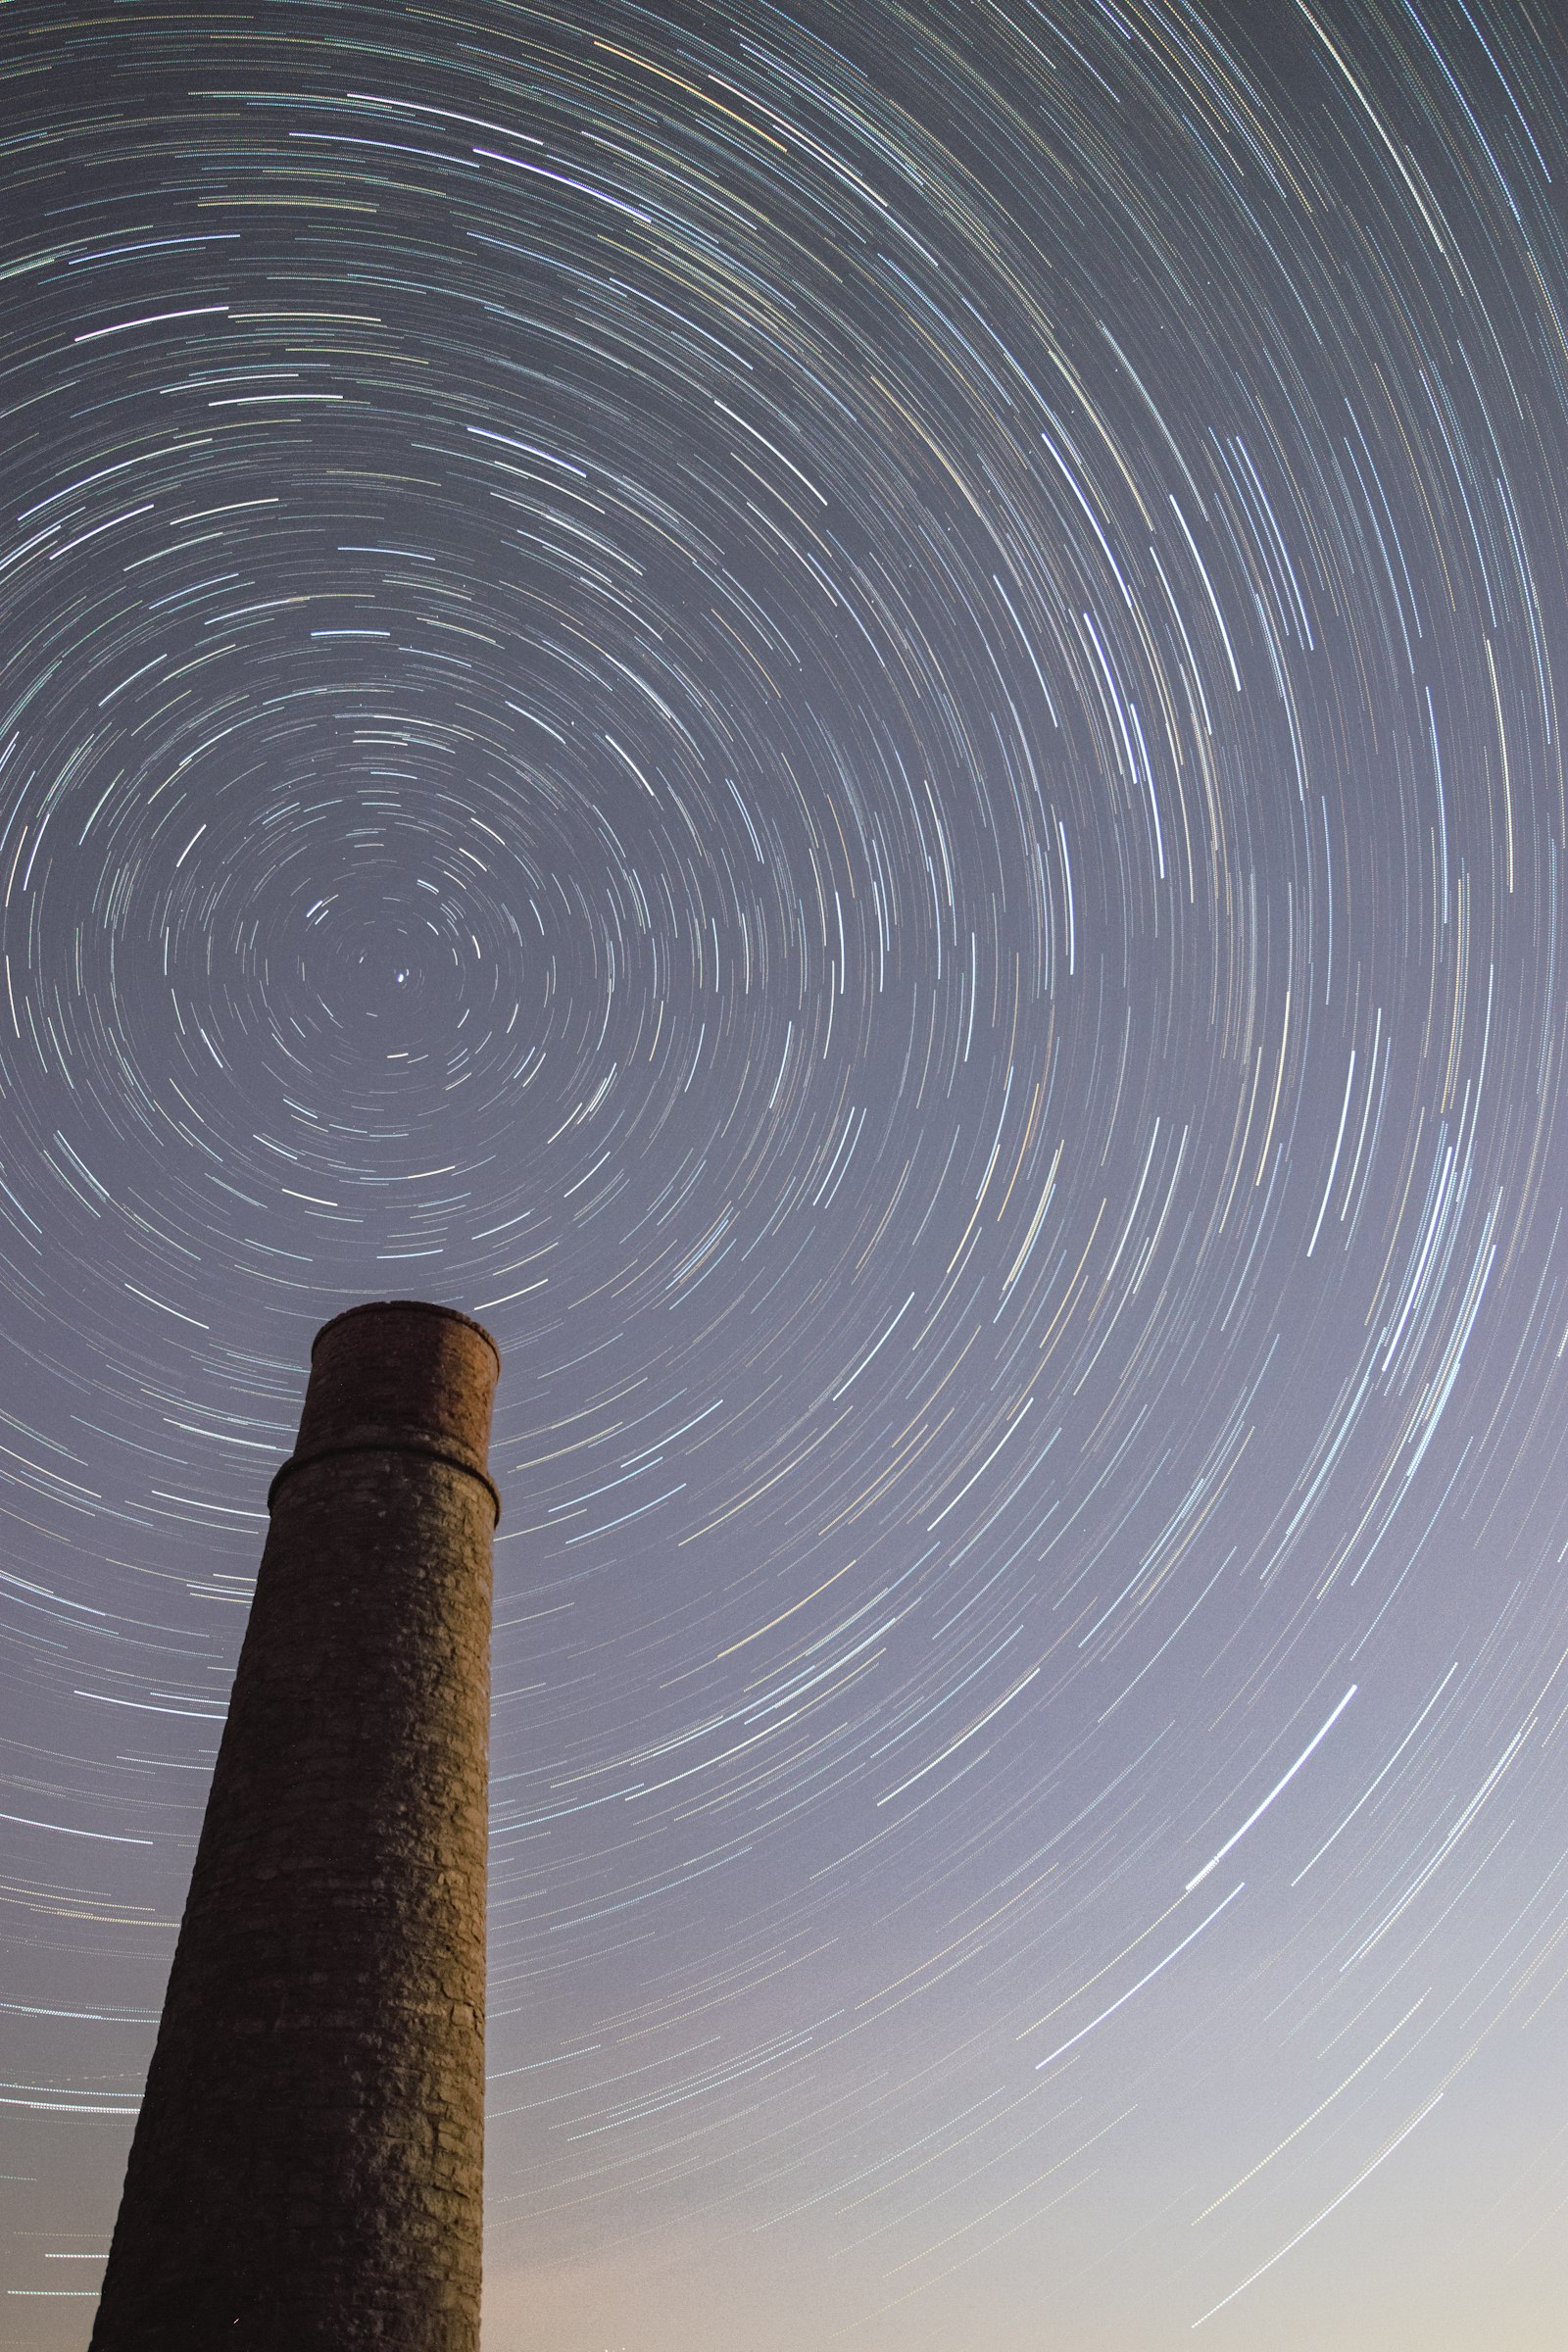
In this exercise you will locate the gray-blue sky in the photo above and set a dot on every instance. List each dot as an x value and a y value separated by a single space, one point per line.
851 714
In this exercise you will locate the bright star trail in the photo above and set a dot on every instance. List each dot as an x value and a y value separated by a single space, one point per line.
853 715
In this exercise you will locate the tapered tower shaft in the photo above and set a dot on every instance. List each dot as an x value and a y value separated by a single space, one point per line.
306 2168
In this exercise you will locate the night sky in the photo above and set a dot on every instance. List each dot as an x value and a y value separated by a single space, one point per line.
853 715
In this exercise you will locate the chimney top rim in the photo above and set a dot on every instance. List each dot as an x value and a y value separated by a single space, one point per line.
407 1306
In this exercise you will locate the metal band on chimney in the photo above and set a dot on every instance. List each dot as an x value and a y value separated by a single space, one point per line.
393 1441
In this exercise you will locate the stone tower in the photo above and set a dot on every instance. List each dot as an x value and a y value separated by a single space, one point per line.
306 2168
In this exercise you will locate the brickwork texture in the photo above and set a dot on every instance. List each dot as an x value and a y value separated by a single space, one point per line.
307 2166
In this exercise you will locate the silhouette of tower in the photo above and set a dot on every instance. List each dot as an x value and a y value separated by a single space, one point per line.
307 2166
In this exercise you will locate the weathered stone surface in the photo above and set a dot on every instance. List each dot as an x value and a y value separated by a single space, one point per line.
308 2167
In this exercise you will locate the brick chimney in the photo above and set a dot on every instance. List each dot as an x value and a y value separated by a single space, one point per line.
307 2171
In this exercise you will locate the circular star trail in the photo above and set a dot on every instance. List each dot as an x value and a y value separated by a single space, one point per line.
851 714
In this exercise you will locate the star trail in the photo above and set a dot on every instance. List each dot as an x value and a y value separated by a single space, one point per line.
850 712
